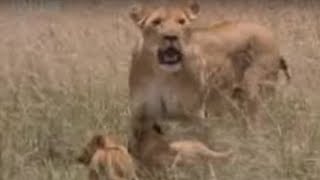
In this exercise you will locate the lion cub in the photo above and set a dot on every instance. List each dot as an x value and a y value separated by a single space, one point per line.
154 150
107 159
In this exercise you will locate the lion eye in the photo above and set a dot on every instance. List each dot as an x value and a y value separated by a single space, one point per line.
182 21
156 22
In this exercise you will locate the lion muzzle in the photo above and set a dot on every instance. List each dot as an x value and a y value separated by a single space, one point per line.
169 54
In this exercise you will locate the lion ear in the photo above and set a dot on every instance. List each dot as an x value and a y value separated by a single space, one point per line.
193 9
138 14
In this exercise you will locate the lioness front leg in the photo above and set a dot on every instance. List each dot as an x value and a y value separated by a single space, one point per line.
146 115
139 123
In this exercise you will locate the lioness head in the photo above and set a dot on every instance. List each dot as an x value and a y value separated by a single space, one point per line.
165 31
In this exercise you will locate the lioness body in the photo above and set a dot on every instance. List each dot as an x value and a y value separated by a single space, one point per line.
236 56
180 70
218 47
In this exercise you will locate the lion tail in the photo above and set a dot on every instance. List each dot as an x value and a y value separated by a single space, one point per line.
285 68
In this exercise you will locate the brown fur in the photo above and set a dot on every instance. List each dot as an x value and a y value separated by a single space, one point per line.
106 158
223 62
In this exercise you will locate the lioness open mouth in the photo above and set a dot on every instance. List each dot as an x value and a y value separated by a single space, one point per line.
170 58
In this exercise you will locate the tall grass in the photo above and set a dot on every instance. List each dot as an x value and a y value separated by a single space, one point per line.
63 77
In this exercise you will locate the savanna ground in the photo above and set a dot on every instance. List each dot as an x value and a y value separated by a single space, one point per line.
63 77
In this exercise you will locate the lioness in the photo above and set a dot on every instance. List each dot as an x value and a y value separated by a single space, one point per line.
108 159
181 70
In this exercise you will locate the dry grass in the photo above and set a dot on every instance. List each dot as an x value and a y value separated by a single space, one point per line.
63 76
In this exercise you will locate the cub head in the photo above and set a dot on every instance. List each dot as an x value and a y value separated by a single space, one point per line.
97 142
166 30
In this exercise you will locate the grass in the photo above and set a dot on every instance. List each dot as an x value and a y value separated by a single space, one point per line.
63 77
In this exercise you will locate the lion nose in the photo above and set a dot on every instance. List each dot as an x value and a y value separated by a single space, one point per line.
170 38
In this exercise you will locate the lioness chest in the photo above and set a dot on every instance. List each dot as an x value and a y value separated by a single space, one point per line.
167 95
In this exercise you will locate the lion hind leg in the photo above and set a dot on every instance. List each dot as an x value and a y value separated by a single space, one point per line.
252 103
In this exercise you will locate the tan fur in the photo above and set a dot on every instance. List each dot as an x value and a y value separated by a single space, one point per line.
156 151
192 152
106 158
221 62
